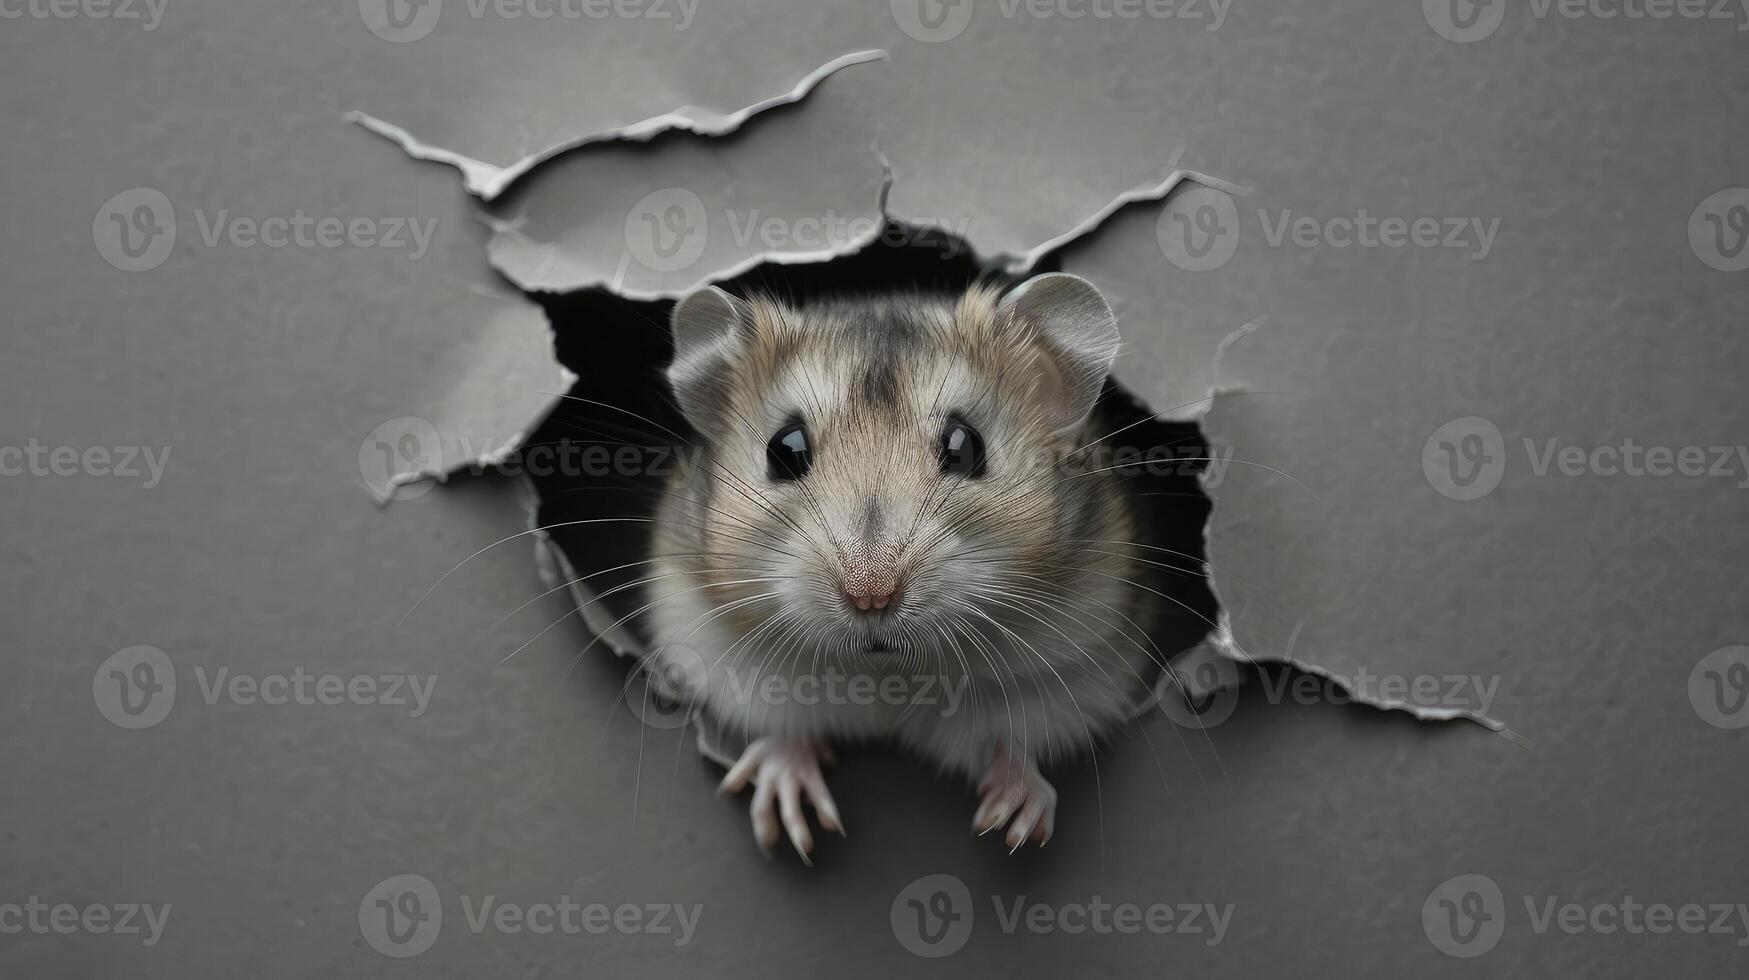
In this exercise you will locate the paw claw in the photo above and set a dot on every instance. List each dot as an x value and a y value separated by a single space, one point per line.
1016 796
784 770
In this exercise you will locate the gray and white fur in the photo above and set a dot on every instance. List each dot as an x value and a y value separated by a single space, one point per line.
989 617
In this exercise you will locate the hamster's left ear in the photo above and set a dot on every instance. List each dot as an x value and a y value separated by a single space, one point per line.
710 329
1078 329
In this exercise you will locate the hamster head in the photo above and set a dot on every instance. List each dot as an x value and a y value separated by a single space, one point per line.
885 474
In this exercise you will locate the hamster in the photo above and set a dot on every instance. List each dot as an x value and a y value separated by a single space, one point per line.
892 530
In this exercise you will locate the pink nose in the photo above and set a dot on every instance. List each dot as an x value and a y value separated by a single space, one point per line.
870 578
866 597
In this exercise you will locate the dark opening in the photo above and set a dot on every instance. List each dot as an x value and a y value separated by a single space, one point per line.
620 403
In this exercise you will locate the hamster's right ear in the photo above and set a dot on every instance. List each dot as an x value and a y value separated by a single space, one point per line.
1079 330
709 328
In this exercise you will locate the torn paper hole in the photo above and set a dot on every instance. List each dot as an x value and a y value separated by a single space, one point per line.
595 524
1201 689
537 267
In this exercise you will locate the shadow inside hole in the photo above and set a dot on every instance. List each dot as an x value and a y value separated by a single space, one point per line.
599 460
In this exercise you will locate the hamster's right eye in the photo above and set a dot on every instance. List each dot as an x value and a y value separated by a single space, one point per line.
789 453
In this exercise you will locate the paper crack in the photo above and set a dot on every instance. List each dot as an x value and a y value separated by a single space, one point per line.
487 181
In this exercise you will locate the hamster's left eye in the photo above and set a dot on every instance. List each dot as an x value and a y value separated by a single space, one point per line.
789 454
962 450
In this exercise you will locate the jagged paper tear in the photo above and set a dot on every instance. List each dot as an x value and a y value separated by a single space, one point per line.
1189 676
487 181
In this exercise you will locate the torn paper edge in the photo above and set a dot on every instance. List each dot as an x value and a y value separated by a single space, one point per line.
1026 261
441 474
1224 644
488 181
616 285
1006 262
553 564
557 572
490 460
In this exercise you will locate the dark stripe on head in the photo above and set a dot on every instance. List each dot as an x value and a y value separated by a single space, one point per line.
886 336
880 382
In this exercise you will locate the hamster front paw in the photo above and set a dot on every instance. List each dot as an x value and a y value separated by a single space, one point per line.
1013 788
784 770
